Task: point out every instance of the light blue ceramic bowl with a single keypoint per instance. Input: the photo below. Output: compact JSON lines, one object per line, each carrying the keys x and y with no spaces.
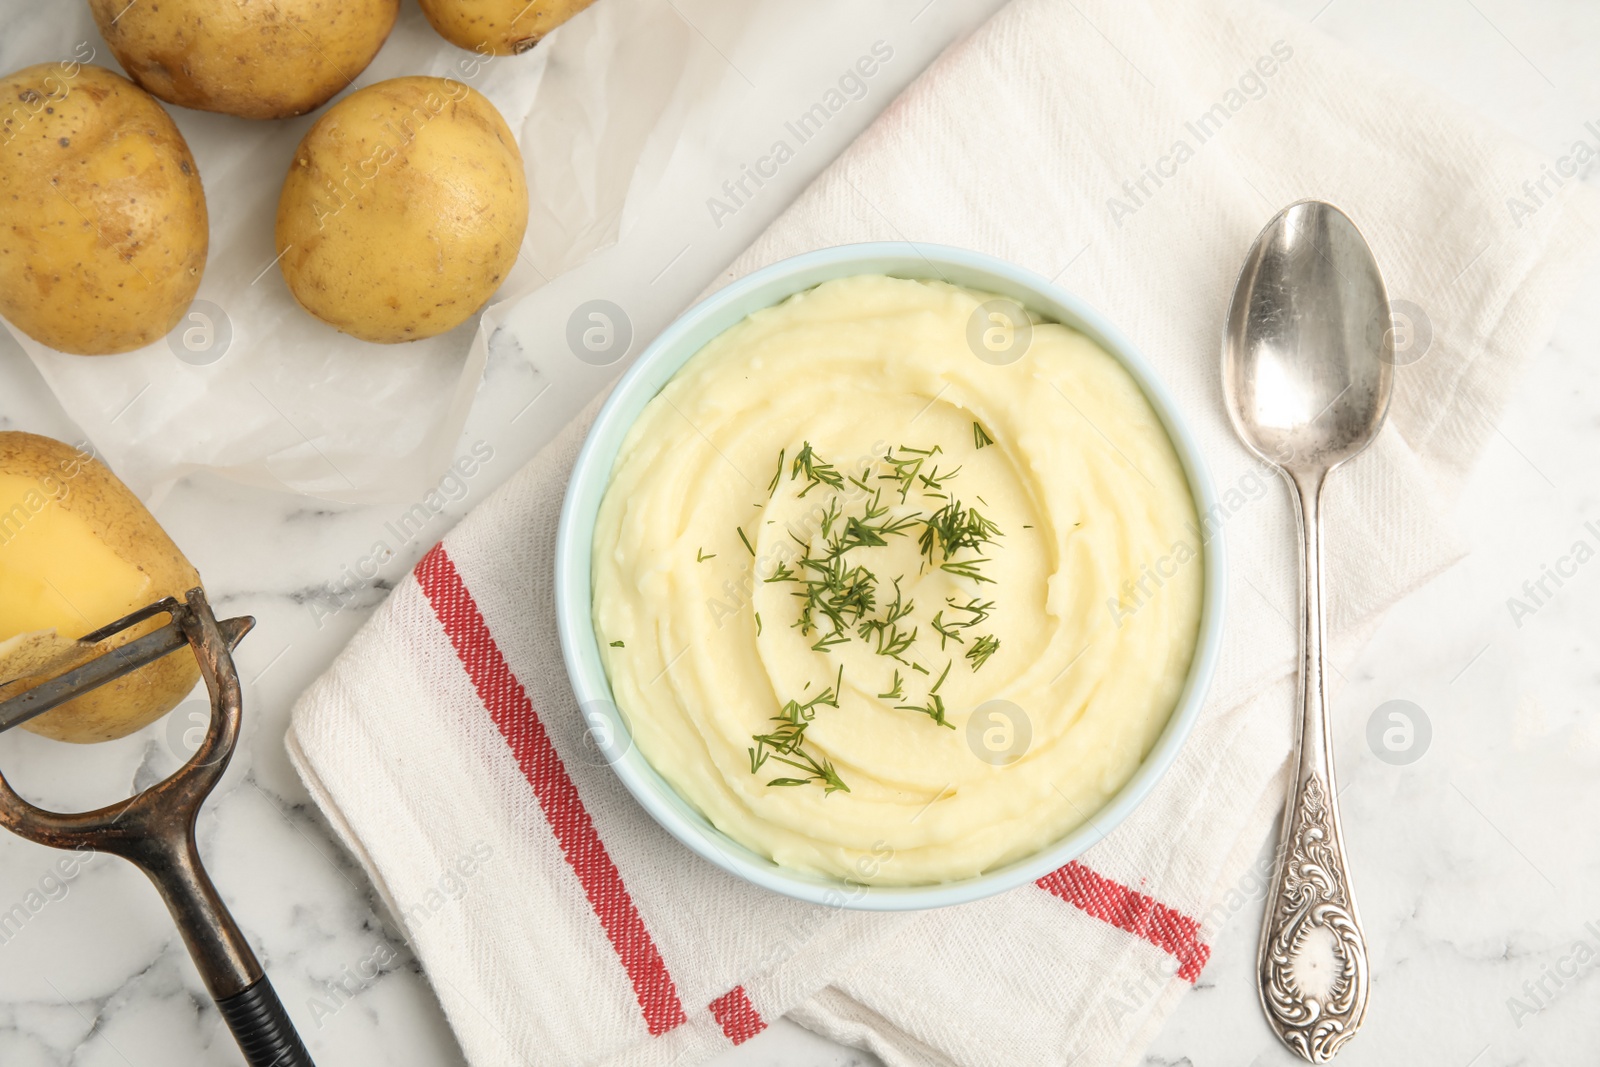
{"x":644,"y":379}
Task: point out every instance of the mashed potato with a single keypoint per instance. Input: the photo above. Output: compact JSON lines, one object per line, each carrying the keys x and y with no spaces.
{"x":888,"y":611}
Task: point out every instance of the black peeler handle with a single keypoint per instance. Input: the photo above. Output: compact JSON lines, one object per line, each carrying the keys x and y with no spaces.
{"x":261,"y":1026}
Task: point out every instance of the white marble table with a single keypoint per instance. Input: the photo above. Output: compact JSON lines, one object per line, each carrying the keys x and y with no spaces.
{"x":1474,"y":860}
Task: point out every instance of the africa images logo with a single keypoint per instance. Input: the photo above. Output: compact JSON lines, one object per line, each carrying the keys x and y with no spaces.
{"x":1537,"y":192}
{"x":1250,"y":85}
{"x":852,"y":85}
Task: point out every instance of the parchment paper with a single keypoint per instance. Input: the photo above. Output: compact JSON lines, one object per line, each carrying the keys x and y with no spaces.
{"x":252,"y":387}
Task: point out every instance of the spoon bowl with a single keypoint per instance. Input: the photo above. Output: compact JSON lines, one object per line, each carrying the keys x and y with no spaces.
{"x":1308,"y":353}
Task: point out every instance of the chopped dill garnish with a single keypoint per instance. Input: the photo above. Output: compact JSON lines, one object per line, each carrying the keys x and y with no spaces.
{"x":954,"y":527}
{"x":934,"y":709}
{"x":968,"y":568}
{"x":946,"y":632}
{"x":842,"y":599}
{"x":907,"y":466}
{"x":618,"y":644}
{"x":979,"y":610}
{"x":758,"y":624}
{"x":860,"y":531}
{"x":981,"y":650}
{"x":843,"y":595}
{"x":700,"y":555}
{"x":785,"y":744}
{"x":857,"y":534}
{"x":830,"y":515}
{"x":772,"y":486}
{"x":891,"y":640}
{"x":825,"y":643}
{"x":933,"y":483}
{"x":816,"y":471}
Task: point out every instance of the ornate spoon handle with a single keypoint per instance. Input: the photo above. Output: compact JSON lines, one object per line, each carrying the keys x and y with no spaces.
{"x":1313,"y":964}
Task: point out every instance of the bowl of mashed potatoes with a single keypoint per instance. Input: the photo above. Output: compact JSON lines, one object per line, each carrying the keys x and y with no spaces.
{"x":880,"y":578}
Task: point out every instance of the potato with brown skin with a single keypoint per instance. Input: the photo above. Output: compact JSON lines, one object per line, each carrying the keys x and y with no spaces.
{"x":498,"y":27}
{"x":103,"y":225}
{"x":258,"y":59}
{"x":78,"y":551}
{"x":403,"y":210}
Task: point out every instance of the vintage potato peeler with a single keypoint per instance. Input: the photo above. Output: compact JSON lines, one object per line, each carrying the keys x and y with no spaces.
{"x":154,"y":830}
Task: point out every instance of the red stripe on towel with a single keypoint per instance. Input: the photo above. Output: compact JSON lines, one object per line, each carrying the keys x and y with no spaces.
{"x":737,"y":1016}
{"x":1130,"y":910}
{"x":508,"y":705}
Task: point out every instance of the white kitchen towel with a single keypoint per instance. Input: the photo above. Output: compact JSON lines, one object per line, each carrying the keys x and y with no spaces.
{"x":1130,"y":149}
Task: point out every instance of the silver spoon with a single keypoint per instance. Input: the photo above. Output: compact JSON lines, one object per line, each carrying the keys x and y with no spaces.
{"x":1307,"y":369}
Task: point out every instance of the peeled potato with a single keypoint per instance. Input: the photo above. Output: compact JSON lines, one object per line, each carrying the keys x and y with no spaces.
{"x":103,"y":226}
{"x":498,"y":27}
{"x":258,"y":59}
{"x":78,"y":551}
{"x":403,"y":210}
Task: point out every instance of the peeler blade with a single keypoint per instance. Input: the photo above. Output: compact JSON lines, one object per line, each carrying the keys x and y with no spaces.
{"x":122,"y":660}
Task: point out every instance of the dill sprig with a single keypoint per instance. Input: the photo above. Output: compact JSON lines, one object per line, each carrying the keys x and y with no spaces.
{"x":933,"y":482}
{"x":953,"y":528}
{"x":816,"y":471}
{"x":976,"y":611}
{"x":857,"y":534}
{"x":979,"y":437}
{"x":968,"y":568}
{"x":895,"y":690}
{"x":751,"y":548}
{"x":772,"y":486}
{"x":947,"y":631}
{"x":934,"y":708}
{"x":864,"y":531}
{"x":839,"y":593}
{"x":891,"y":640}
{"x":982,"y":648}
{"x":861,"y":533}
{"x":907,"y":466}
{"x":894,"y":642}
{"x":826,"y":642}
{"x":830,"y":515}
{"x":785,"y":744}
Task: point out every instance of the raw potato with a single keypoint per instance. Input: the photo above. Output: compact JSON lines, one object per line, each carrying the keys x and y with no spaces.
{"x":258,"y":59}
{"x":403,"y":210}
{"x":77,"y":551}
{"x":498,"y":27}
{"x":103,"y":226}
